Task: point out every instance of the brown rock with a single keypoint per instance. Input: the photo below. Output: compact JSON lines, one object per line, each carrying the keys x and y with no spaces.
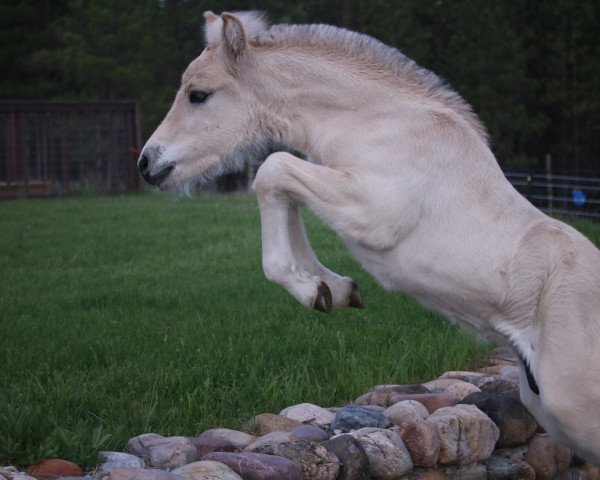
{"x":422,"y":442}
{"x":269,"y":422}
{"x":54,"y":468}
{"x":547,"y":458}
{"x":432,"y":401}
{"x":516,"y":423}
{"x":498,"y":384}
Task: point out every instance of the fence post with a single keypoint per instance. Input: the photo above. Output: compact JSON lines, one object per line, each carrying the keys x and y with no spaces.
{"x":549,"y":189}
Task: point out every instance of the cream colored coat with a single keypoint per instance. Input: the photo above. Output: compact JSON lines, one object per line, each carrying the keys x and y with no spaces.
{"x":400,"y":168}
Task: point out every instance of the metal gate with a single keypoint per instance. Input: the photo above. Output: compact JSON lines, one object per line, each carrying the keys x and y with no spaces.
{"x":61,"y":148}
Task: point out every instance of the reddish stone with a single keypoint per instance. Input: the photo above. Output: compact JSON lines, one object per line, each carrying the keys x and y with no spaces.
{"x":422,"y":442}
{"x":54,"y":468}
{"x":432,"y":401}
{"x":547,"y":458}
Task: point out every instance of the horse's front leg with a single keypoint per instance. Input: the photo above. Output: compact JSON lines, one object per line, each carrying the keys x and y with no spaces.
{"x":344,"y":291}
{"x":288,"y":259}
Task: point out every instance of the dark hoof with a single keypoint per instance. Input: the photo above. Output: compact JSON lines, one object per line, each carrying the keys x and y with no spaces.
{"x":355,"y":297}
{"x":324,"y":301}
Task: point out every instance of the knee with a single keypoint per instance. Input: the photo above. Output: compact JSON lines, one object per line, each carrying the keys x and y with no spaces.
{"x":268,"y":174}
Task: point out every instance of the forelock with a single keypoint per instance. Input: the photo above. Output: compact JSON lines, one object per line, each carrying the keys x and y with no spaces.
{"x":254,"y":23}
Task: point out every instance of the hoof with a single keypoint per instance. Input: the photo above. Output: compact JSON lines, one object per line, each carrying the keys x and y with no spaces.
{"x":355,"y":297}
{"x":323,"y":302}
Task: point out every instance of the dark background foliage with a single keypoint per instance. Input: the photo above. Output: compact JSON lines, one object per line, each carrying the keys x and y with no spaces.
{"x":530,"y":68}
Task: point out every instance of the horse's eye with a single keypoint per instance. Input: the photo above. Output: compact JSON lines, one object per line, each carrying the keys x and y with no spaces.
{"x":198,"y":96}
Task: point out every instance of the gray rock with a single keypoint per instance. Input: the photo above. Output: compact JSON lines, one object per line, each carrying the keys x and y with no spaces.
{"x":141,"y":474}
{"x":8,"y":471}
{"x":257,"y":466}
{"x":467,"y":435}
{"x":206,"y":470}
{"x":354,"y":417}
{"x":21,"y":476}
{"x":309,"y":432}
{"x":236,"y":438}
{"x":162,"y":452}
{"x":308,"y":413}
{"x":272,"y":438}
{"x":313,"y":459}
{"x":474,"y":471}
{"x":205,"y":445}
{"x":406,"y":410}
{"x":500,"y":468}
{"x":573,"y":474}
{"x":112,"y":460}
{"x":353,"y":459}
{"x":388,"y":457}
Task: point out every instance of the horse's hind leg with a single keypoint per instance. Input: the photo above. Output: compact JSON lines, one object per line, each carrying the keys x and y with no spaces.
{"x":288,"y":259}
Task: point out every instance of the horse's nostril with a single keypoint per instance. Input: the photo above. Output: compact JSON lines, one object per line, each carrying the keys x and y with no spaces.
{"x":143,"y":164}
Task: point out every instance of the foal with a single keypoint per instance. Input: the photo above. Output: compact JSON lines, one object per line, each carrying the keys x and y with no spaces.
{"x":399,"y":166}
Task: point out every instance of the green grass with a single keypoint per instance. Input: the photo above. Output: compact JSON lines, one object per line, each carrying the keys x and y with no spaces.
{"x":126,"y":315}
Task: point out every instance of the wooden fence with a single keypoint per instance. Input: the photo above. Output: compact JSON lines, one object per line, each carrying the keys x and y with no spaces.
{"x":61,"y":148}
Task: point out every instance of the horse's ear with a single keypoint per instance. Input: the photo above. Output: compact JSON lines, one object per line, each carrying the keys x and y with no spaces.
{"x":233,"y":39}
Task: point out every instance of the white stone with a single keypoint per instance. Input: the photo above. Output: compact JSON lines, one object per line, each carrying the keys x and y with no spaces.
{"x":112,"y":460}
{"x":163,"y":452}
{"x":467,"y":435}
{"x":207,"y":470}
{"x":462,"y":389}
{"x":388,"y":457}
{"x":309,"y":413}
{"x":440,"y":384}
{"x":406,"y":410}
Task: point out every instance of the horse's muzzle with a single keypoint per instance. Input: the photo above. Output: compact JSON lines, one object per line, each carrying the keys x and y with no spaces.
{"x":144,"y":167}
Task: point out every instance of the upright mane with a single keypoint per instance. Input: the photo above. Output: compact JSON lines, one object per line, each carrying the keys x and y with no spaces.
{"x":362,"y":48}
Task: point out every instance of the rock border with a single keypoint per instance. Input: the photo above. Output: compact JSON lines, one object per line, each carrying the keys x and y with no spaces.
{"x":465,"y":425}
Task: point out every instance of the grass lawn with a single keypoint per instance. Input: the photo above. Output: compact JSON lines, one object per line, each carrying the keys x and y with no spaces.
{"x":148,"y":313}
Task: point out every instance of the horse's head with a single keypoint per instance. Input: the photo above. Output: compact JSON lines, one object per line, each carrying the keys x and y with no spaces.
{"x":214,"y":122}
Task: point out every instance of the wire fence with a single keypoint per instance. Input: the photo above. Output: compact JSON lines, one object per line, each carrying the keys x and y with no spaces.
{"x":559,"y":194}
{"x":60,"y":148}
